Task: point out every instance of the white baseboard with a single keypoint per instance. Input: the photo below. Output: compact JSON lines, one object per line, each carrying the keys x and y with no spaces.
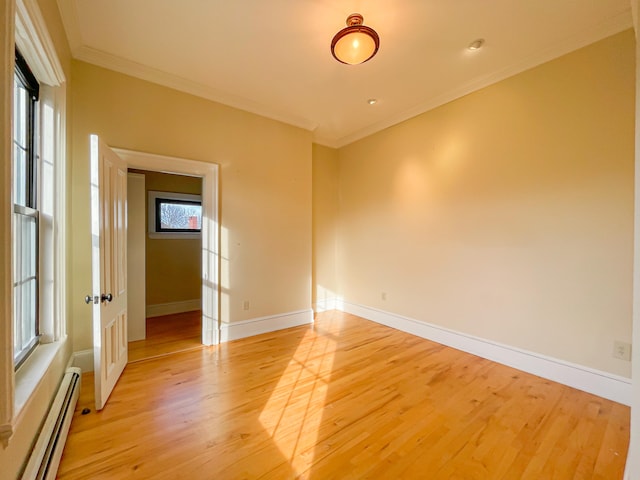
{"x":603,"y":384}
{"x":326,"y":304}
{"x":83,"y":359}
{"x":160,"y":309}
{"x":256,"y":326}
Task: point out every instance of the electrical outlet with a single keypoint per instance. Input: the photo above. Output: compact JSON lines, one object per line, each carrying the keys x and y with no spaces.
{"x":622,"y":350}
{"x":383,"y":295}
{"x":245,"y":305}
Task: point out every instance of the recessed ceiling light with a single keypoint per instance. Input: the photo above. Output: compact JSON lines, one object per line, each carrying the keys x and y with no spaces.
{"x":476,"y":44}
{"x":372,"y":101}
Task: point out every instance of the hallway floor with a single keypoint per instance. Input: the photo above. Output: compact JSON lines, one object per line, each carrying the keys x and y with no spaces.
{"x":168,"y":334}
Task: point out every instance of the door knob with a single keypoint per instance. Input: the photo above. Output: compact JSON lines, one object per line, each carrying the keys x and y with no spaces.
{"x":89,"y":299}
{"x":106,"y":297}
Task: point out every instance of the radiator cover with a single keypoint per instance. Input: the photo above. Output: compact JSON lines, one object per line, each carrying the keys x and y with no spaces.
{"x":45,"y":458}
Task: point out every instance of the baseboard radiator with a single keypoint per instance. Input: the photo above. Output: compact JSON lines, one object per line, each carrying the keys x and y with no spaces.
{"x":45,"y":458}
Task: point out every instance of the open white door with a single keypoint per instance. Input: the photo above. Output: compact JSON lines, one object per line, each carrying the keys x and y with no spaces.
{"x":109,"y":267}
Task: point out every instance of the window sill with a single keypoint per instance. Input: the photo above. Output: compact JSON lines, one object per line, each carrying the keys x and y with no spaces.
{"x":31,"y":373}
{"x":175,"y":236}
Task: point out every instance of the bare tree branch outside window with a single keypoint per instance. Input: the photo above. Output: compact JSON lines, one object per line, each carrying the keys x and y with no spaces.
{"x":175,"y":216}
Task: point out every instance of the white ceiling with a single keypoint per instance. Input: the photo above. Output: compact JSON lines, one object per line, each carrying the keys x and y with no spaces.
{"x":272,"y":57}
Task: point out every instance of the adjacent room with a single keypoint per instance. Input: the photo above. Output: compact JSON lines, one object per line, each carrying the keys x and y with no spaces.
{"x":164,"y":261}
{"x":319,"y":240}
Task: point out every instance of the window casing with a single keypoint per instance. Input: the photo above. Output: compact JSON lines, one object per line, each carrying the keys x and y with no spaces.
{"x":45,"y":364}
{"x":178,"y":215}
{"x":26,"y":287}
{"x":174,"y":215}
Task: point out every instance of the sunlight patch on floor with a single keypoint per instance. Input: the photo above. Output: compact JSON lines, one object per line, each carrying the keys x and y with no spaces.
{"x":294,"y":411}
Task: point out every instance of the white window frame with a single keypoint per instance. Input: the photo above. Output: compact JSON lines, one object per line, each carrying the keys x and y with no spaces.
{"x":26,"y":208}
{"x":34,"y":43}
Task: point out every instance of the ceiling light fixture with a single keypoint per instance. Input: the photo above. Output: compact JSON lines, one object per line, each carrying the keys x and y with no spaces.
{"x":356,"y":43}
{"x":372,"y":101}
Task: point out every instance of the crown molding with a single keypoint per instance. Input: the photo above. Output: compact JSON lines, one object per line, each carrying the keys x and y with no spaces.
{"x":326,"y":141}
{"x":607,"y":28}
{"x":153,"y":75}
{"x":97,"y":57}
{"x":69,"y":14}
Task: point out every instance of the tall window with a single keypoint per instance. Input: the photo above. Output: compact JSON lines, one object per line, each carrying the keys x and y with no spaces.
{"x":25,"y":212}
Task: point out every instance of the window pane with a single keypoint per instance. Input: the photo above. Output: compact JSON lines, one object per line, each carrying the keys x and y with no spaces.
{"x":25,"y":333}
{"x":29,"y":246}
{"x":28,"y":312}
{"x":25,"y":282}
{"x":180,"y":216}
{"x":17,"y":331}
{"x":46,"y":164}
{"x":20,"y":97}
{"x":25,"y":232}
{"x":19,"y":176}
{"x":24,"y":136}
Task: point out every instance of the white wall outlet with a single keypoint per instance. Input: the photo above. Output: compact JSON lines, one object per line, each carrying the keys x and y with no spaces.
{"x":622,"y":350}
{"x":383,"y":295}
{"x":245,"y":305}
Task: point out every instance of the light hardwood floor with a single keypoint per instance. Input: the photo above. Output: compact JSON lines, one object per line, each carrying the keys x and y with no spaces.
{"x":344,"y":399}
{"x":168,"y":334}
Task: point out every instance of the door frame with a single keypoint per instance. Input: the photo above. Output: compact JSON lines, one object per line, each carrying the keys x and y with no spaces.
{"x":210,"y":226}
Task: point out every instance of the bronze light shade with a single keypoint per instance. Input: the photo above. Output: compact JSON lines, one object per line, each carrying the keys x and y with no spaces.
{"x":356,"y":43}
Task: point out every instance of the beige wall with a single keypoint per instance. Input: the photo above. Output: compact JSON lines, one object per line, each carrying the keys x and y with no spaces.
{"x":14,"y":455}
{"x":506,"y":214}
{"x":173,"y":266}
{"x":265,"y":186}
{"x":17,"y":449}
{"x":633,"y":459}
{"x":7,"y":54}
{"x":325,"y":226}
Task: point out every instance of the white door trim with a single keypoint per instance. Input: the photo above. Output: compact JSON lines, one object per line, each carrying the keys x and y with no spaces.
{"x":210,"y":227}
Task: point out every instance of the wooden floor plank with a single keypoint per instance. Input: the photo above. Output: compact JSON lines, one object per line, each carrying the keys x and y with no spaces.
{"x":168,"y":334}
{"x":344,"y":398}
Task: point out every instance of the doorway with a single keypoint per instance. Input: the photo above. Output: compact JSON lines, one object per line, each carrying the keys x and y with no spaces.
{"x":210,"y":232}
{"x":164,"y":263}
